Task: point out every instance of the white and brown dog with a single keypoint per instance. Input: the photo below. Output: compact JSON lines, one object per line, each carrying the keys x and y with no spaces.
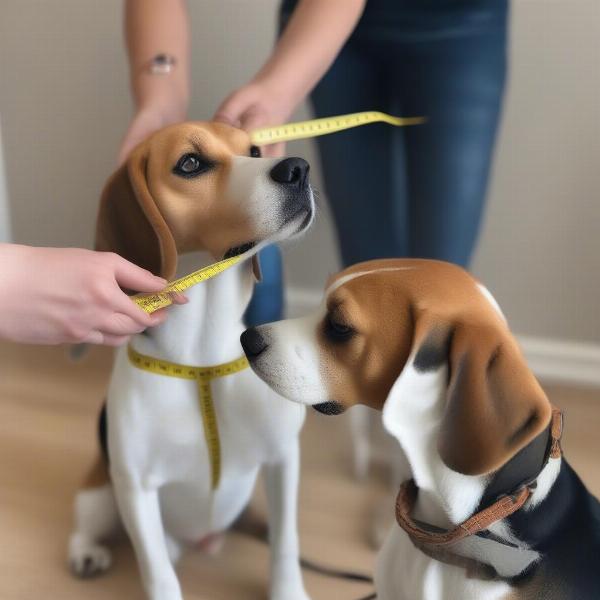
{"x":492,"y":510}
{"x":196,"y":188}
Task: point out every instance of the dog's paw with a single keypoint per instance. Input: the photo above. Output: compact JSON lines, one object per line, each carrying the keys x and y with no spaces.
{"x":87,"y":559}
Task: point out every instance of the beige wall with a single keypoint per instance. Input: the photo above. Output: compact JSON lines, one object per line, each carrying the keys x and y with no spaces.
{"x":64,"y":107}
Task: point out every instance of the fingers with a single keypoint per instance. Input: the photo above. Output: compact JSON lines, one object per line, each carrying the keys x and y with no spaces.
{"x":252,"y":118}
{"x":179,"y":298}
{"x":230,"y":110}
{"x":118,"y":328}
{"x":121,"y":324}
{"x":132,"y":277}
{"x":123,"y":303}
{"x":97,"y":337}
{"x":233,"y":108}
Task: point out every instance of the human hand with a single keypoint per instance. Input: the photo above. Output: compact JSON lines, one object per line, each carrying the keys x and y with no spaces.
{"x":165,"y":108}
{"x":71,"y":295}
{"x":256,"y":105}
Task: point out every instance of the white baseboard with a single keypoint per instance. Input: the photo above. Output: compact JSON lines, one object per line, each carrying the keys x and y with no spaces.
{"x":552,"y":360}
{"x":563,"y":361}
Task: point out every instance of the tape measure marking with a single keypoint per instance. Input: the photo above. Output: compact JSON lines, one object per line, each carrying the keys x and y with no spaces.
{"x":316,"y":127}
{"x":152,"y":302}
{"x":203,"y":377}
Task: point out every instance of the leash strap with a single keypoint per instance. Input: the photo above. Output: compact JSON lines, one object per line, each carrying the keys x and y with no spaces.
{"x":203,"y":377}
{"x":316,"y":127}
{"x":425,"y":535}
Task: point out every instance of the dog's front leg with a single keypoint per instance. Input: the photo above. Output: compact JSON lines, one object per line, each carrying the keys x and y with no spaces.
{"x":140,"y":512}
{"x":281,"y":481}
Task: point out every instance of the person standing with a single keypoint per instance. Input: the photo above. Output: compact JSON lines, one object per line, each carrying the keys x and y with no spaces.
{"x":412,"y":192}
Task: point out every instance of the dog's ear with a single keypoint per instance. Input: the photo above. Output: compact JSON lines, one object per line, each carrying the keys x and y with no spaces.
{"x":492,"y":404}
{"x":129,"y":222}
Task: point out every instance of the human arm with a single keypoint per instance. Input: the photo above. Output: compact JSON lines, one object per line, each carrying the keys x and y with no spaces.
{"x":155,"y":27}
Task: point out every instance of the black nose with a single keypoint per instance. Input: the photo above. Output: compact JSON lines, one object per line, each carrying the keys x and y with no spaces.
{"x":291,"y":171}
{"x":253,"y":342}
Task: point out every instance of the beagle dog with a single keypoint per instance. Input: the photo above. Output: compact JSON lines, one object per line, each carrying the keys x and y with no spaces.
{"x":491,"y":511}
{"x":189,"y":195}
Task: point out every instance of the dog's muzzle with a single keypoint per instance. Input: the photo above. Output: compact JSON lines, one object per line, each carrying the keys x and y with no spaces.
{"x":253,"y":343}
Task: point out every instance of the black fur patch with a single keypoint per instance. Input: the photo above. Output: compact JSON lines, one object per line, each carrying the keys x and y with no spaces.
{"x":433,"y":352}
{"x":565,"y":529}
{"x":329,"y":408}
{"x":103,"y":432}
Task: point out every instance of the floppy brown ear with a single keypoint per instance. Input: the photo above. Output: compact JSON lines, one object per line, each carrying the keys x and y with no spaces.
{"x":494,"y":404}
{"x":129,"y":222}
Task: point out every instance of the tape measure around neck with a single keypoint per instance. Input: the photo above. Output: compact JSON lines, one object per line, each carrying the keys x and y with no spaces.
{"x":152,"y":302}
{"x":203,"y":377}
{"x":316,"y":127}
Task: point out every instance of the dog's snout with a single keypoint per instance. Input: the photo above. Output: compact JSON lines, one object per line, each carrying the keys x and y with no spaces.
{"x":291,"y":171}
{"x":253,"y":342}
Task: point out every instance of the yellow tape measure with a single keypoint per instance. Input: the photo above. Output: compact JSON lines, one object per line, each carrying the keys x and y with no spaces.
{"x":203,"y":377}
{"x":152,"y":302}
{"x":270,"y":135}
{"x":316,"y":127}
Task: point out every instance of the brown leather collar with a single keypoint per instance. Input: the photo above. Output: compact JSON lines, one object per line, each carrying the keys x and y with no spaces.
{"x":429,"y":538}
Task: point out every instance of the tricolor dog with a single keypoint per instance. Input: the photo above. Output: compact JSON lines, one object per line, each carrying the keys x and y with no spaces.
{"x":196,"y":188}
{"x":491,"y":510}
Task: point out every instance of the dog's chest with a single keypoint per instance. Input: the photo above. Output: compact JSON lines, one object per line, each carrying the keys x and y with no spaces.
{"x":156,"y":429}
{"x":405,"y":573}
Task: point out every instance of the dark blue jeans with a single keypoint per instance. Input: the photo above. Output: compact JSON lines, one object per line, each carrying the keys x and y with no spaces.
{"x":416,"y":191}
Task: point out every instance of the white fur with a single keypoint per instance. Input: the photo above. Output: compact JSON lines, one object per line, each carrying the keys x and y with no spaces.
{"x":252,"y":189}
{"x":291,"y":363}
{"x":160,"y":466}
{"x":346,"y":278}
{"x":545,"y":481}
{"x":488,"y":296}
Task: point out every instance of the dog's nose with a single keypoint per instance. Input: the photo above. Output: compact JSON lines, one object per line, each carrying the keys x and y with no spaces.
{"x":253,"y":342}
{"x":291,"y":171}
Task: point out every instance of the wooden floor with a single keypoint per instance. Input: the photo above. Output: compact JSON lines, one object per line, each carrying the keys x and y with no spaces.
{"x":48,"y":407}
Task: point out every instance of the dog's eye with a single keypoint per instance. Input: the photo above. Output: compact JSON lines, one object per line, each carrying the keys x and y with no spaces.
{"x":190,"y":165}
{"x":337,"y":331}
{"x":255,"y":152}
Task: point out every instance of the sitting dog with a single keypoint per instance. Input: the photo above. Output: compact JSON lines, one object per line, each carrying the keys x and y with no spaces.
{"x":492,"y":510}
{"x":177,"y":480}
